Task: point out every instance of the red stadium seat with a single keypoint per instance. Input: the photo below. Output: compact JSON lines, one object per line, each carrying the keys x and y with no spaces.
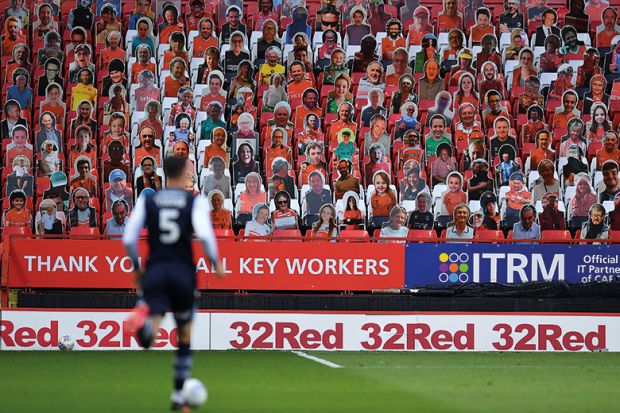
{"x":354,"y":235}
{"x":614,"y":235}
{"x":84,"y":232}
{"x":286,"y":235}
{"x":224,"y":233}
{"x":425,"y":104}
{"x":556,"y":235}
{"x":422,"y":234}
{"x":356,"y":77}
{"x":488,"y":235}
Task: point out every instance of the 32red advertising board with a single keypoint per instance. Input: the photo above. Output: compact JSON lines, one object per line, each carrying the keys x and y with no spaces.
{"x":102,"y":329}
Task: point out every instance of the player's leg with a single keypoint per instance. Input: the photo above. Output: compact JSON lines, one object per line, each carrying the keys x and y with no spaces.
{"x":150,"y":308}
{"x":182,"y":364}
{"x":147,"y":333}
{"x":182,"y":298}
{"x":144,"y":323}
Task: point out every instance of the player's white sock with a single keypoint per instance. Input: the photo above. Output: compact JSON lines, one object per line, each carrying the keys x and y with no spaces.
{"x":177,"y":397}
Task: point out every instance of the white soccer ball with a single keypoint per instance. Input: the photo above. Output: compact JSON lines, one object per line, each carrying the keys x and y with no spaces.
{"x":194,"y":392}
{"x":66,"y":343}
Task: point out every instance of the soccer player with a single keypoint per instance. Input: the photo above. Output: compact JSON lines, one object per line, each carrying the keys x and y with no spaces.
{"x":168,"y":280}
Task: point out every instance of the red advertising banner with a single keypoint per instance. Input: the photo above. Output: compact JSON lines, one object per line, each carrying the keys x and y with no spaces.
{"x":249,"y":265}
{"x":36,"y":329}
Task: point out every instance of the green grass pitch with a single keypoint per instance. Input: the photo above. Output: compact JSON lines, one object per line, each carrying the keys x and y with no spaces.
{"x":274,"y":382}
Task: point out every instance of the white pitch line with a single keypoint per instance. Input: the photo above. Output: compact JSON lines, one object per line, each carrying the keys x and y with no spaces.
{"x":318,"y":360}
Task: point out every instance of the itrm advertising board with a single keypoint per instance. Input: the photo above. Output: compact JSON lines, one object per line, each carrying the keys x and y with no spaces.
{"x":452,"y":264}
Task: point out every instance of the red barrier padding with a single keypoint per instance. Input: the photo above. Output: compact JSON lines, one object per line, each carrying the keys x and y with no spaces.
{"x":276,"y":265}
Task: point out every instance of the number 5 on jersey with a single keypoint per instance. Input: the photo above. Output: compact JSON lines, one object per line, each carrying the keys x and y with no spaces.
{"x":168,"y":226}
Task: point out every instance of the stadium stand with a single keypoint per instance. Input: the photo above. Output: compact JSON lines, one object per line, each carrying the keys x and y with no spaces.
{"x":452,"y":121}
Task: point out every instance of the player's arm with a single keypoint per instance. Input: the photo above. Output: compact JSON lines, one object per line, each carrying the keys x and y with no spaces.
{"x":201,"y":221}
{"x":132,"y":233}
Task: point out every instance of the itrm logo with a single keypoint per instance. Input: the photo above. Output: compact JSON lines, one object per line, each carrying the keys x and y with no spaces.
{"x":510,"y":268}
{"x":453,"y":267}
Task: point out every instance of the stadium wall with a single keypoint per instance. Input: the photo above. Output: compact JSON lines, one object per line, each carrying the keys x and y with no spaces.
{"x":345,"y":331}
{"x":532,"y":297}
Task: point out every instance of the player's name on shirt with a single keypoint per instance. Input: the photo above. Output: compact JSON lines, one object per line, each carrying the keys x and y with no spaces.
{"x":169,"y":200}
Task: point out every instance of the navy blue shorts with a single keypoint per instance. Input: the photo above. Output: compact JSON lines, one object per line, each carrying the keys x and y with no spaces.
{"x":170,"y":286}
